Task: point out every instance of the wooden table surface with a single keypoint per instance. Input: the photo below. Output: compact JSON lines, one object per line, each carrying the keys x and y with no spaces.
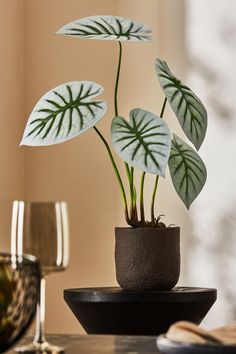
{"x":100,"y":344}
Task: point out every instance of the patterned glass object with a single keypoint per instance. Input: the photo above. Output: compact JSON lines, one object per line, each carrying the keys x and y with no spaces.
{"x":19,"y":287}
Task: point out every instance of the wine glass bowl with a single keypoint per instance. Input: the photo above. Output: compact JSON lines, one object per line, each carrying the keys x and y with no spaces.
{"x":19,"y":288}
{"x":41,"y":229}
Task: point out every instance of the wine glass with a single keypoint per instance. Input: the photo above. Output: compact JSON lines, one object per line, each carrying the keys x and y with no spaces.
{"x":41,"y":229}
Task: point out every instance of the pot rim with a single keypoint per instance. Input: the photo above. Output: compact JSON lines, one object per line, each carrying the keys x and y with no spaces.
{"x":146,"y":228}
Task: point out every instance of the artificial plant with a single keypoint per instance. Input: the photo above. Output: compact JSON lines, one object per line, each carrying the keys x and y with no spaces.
{"x":144,"y":142}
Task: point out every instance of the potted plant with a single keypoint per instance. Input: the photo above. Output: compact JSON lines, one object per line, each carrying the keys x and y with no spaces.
{"x":147,"y":252}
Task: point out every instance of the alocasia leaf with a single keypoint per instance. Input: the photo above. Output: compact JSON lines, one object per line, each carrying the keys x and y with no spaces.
{"x":63,"y":113}
{"x":186,"y":105}
{"x":144,"y":142}
{"x":187,"y":170}
{"x":107,"y":28}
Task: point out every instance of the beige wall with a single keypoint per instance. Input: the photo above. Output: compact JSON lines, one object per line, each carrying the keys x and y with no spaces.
{"x":11,"y":112}
{"x":78,"y":171}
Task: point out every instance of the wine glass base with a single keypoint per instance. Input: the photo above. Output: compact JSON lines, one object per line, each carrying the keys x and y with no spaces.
{"x":43,"y":348}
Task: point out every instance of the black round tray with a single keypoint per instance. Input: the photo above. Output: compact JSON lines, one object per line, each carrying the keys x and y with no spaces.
{"x":114,"y":311}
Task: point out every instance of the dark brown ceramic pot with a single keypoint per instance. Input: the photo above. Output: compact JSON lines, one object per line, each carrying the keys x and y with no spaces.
{"x":147,"y":258}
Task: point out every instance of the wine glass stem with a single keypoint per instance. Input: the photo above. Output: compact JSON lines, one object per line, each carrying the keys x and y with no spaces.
{"x":39,"y":337}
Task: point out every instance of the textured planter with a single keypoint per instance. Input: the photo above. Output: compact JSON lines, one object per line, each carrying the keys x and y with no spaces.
{"x":147,"y":258}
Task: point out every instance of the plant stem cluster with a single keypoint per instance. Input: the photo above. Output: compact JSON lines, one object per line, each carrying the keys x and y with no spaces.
{"x":133,"y":218}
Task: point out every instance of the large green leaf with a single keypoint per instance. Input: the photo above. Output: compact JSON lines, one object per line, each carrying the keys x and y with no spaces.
{"x":144,"y":142}
{"x":107,"y":28}
{"x":187,"y":170}
{"x":186,"y":105}
{"x":63,"y":113}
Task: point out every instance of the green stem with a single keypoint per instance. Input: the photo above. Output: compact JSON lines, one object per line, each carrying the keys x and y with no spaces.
{"x":133,"y":196}
{"x":135,"y":204}
{"x":163,"y":108}
{"x":153,"y":199}
{"x":130,"y":177}
{"x":131,"y":181}
{"x":116,"y":172}
{"x":117,"y":113}
{"x":157,"y":177}
{"x":117,"y":80}
{"x":128,"y":172}
{"x":142,"y":215}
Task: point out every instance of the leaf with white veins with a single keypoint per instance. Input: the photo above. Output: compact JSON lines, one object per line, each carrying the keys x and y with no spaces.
{"x":187,"y":107}
{"x":114,"y":28}
{"x":63,"y":113}
{"x":144,"y":142}
{"x":187,"y":170}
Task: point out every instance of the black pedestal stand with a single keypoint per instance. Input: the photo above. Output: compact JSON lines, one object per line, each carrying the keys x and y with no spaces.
{"x":114,"y":311}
